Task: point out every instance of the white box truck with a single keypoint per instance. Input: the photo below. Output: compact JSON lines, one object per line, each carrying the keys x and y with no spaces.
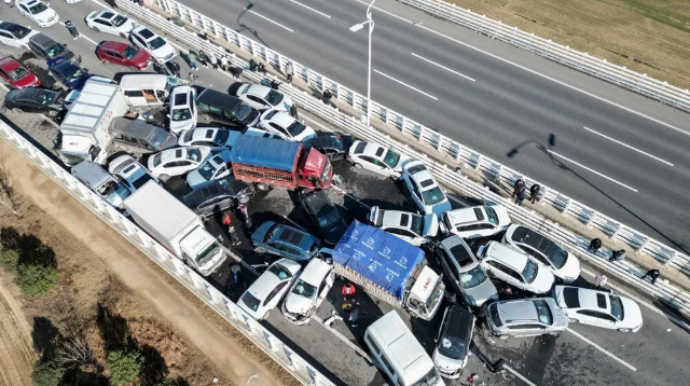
{"x":85,"y":127}
{"x":175,"y":226}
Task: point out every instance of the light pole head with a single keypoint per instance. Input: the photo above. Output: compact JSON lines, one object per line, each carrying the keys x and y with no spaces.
{"x":357,"y":27}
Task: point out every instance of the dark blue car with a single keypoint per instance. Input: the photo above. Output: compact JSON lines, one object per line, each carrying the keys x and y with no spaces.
{"x":68,"y":73}
{"x":285,"y":241}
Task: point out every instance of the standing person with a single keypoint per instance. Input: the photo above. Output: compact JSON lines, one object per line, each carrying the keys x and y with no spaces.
{"x":72,"y":29}
{"x":652,"y":274}
{"x":600,"y":280}
{"x":274,"y":84}
{"x":236,"y":72}
{"x":192,"y":60}
{"x":176,"y":68}
{"x":534,"y":191}
{"x":234,"y":238}
{"x":253,"y":65}
{"x":327,"y":95}
{"x":112,"y":3}
{"x":518,"y":186}
{"x":289,"y":72}
{"x":293,"y":111}
{"x":203,"y":59}
{"x":594,"y":246}
{"x":520,"y":197}
{"x":213,"y":59}
{"x":262,"y":68}
{"x":618,"y":255}
{"x":224,"y":62}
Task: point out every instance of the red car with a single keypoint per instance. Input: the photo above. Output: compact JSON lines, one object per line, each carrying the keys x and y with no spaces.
{"x":123,"y":54}
{"x":14,"y":73}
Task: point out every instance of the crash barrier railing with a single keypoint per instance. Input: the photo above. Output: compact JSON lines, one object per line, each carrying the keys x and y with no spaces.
{"x":302,"y":370}
{"x":601,"y":68}
{"x":445,"y":146}
{"x":673,"y":296}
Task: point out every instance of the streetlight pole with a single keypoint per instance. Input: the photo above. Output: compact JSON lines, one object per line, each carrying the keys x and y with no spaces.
{"x":356,"y":28}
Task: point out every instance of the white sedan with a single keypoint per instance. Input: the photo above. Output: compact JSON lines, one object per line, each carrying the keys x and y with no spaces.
{"x":308,"y":292}
{"x":267,"y":291}
{"x":411,"y":227}
{"x":214,"y":167}
{"x":38,"y":11}
{"x":285,"y":125}
{"x":378,"y":159}
{"x":176,"y":162}
{"x":155,"y":45}
{"x":130,"y":172}
{"x":110,"y":22}
{"x":183,"y":112}
{"x":598,"y":308}
{"x":261,"y":97}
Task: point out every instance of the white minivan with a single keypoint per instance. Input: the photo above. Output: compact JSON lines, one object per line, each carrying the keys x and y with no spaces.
{"x":398,"y":354}
{"x":145,"y":90}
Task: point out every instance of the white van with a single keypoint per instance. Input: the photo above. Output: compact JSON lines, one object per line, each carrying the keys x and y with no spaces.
{"x":146,"y":90}
{"x":398,"y":354}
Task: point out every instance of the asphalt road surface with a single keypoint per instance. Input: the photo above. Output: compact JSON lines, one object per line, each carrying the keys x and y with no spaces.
{"x":657,"y":355}
{"x":617,"y":152}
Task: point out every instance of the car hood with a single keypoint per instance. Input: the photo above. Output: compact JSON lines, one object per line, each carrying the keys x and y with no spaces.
{"x":571,"y":270}
{"x":632,"y":316}
{"x":29,"y":80}
{"x":442,"y":362}
{"x":45,"y":15}
{"x":296,"y":304}
{"x":482,"y":293}
{"x":543,"y":282}
{"x":503,"y":216}
{"x":163,"y":51}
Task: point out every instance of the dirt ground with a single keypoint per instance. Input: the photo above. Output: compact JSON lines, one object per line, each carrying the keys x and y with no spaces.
{"x":648,"y":36}
{"x":115,"y":294}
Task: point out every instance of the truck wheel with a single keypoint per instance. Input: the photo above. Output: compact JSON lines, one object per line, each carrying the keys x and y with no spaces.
{"x":357,"y":166}
{"x":263,"y":187}
{"x":243,"y":199}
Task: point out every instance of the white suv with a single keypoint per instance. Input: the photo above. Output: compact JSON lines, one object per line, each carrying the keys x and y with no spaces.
{"x":424,"y":189}
{"x":182,"y":113}
{"x":155,"y":45}
{"x":411,"y":227}
{"x":514,"y":267}
{"x":477,"y":221}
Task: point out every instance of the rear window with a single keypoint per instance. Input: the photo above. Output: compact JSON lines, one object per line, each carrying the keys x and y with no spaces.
{"x":601,"y":301}
{"x":426,"y":183}
{"x":181,"y":99}
{"x":416,"y":169}
{"x":360,"y":147}
{"x":146,"y":34}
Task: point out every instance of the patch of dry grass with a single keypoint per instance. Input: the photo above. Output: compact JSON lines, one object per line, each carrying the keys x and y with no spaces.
{"x":648,"y":36}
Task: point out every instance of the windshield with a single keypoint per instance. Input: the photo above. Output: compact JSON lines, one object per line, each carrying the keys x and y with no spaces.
{"x":194,"y":155}
{"x":271,"y":232}
{"x":544,"y":312}
{"x":130,"y":52}
{"x":250,"y":301}
{"x":18,"y":73}
{"x":530,"y":271}
{"x":491,"y":214}
{"x":76,"y":75}
{"x":156,"y":43}
{"x":19,"y":32}
{"x":328,"y":217}
{"x":158,"y":138}
{"x":55,"y":50}
{"x":296,"y":128}
{"x":274,"y":98}
{"x":38,"y":8}
{"x":616,"y":307}
{"x":436,"y":295}
{"x":157,"y":159}
{"x":222,"y":137}
{"x":557,"y":255}
{"x":139,"y":182}
{"x":391,"y":158}
{"x":46,"y":97}
{"x":281,"y":272}
{"x":207,"y":170}
{"x":433,"y":196}
{"x":242,"y":111}
{"x":118,"y":20}
{"x":184,"y":114}
{"x":451,"y":346}
{"x":302,"y":288}
{"x":417,"y":225}
{"x":207,"y":254}
{"x":430,"y":379}
{"x":472,"y":278}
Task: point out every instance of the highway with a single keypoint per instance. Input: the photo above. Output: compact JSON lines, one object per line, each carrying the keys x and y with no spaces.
{"x":615,"y":151}
{"x":583,"y":356}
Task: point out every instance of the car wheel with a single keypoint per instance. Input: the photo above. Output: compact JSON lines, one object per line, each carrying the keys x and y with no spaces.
{"x":357,"y":166}
{"x":263,"y":187}
{"x":123,"y":35}
{"x":17,"y":110}
{"x":164,"y":177}
{"x":133,"y":68}
{"x":624,"y":329}
{"x":243,"y":199}
{"x":259,"y":250}
{"x":555,"y":333}
{"x":93,"y":27}
{"x":570,"y":320}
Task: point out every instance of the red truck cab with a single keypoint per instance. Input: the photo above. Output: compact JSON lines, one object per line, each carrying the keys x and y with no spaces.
{"x":270,"y":162}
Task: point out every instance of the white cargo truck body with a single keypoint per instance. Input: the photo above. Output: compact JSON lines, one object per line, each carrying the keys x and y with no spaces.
{"x":175,"y":226}
{"x":89,"y":116}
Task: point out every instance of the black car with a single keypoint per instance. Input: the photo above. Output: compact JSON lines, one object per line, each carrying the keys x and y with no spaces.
{"x":34,"y":100}
{"x":46,"y":48}
{"x":334,"y":146}
{"x":218,"y":195}
{"x":215,"y":106}
{"x":453,"y":341}
{"x":327,"y":217}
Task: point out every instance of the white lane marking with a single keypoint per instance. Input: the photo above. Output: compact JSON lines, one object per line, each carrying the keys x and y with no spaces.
{"x":384,"y":11}
{"x":626,"y":145}
{"x":512,"y":370}
{"x":344,"y":339}
{"x":406,"y":85}
{"x":443,"y":67}
{"x":556,"y":81}
{"x":310,"y":8}
{"x":592,"y":170}
{"x":671,"y":318}
{"x":82,"y":35}
{"x":624,"y":363}
{"x":269,"y":20}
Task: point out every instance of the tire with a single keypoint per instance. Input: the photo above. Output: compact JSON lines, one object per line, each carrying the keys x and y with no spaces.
{"x":570,"y":320}
{"x":624,"y":330}
{"x":132,"y":68}
{"x":17,"y":110}
{"x":357,"y":166}
{"x":95,"y":28}
{"x":263,"y":187}
{"x":164,"y":177}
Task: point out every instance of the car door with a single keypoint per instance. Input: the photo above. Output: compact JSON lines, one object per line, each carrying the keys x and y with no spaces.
{"x":139,"y":42}
{"x":502,"y":273}
{"x":7,"y":38}
{"x":279,"y":130}
{"x":4,"y":76}
{"x":274,"y":248}
{"x":272,"y":299}
{"x":416,"y":194}
{"x":368,"y":163}
{"x":25,"y":11}
{"x":587,"y":317}
{"x":222,"y":171}
{"x":255,"y":102}
{"x":104,"y":25}
{"x":116,"y":57}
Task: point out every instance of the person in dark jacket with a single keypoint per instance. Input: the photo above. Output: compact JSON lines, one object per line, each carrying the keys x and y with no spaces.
{"x":594,"y":246}
{"x":652,"y":274}
{"x":618,"y":255}
{"x":112,"y":3}
{"x":520,"y":197}
{"x":327,"y":95}
{"x":535,"y":193}
{"x":518,"y":186}
{"x":72,"y":29}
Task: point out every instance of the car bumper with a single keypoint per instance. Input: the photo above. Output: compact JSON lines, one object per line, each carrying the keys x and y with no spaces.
{"x":49,"y":23}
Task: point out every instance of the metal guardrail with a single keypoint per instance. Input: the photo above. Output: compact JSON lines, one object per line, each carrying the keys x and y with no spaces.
{"x":601,"y":68}
{"x":302,"y":370}
{"x":446,"y":147}
{"x":675,"y":297}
